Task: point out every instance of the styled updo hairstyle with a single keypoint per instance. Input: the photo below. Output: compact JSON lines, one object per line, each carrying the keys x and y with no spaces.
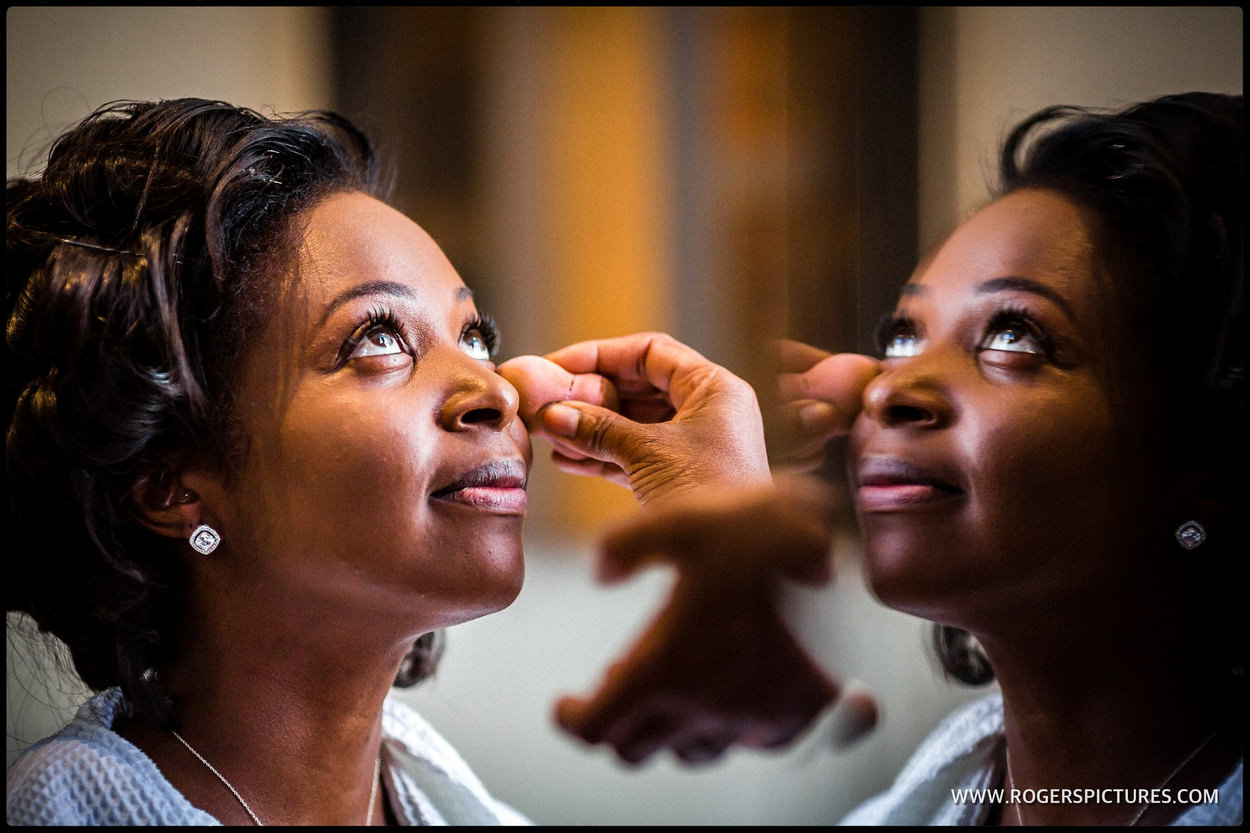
{"x":137,"y":263}
{"x":1164,"y":180}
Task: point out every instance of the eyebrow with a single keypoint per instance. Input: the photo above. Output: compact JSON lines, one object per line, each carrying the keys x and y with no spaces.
{"x":393,"y":288}
{"x":1008,"y":284}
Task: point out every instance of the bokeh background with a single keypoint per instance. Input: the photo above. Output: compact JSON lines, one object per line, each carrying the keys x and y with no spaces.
{"x":726,"y":174}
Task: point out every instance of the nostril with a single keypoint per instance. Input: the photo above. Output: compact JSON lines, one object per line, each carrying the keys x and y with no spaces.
{"x":898,"y":414}
{"x":478,"y":416}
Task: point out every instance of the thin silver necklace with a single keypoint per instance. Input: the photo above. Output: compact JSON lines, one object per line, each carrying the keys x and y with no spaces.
{"x":1146,"y":805}
{"x":373,"y":792}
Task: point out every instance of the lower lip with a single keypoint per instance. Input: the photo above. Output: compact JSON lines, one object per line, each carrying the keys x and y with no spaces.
{"x":901,"y":497}
{"x":502,"y":501}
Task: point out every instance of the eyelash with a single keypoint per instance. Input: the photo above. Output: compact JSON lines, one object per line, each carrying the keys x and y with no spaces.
{"x":1018,"y":317}
{"x":487,"y":329}
{"x":377,"y":317}
{"x":483,"y":324}
{"x":892,"y":325}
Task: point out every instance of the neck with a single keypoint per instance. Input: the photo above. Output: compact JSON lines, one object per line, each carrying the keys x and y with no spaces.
{"x":294,"y":728}
{"x":1113,"y":711}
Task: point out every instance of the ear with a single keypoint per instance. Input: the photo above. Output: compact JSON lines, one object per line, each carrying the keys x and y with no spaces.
{"x":164,"y":505}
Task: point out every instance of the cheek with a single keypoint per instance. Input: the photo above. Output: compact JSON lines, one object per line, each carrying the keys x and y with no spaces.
{"x":359,"y":459}
{"x":1054,"y":476}
{"x":340,"y":508}
{"x":1044,"y":479}
{"x":337,"y":472}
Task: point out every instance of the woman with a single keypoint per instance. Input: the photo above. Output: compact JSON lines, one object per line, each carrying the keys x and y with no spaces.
{"x":257,"y":458}
{"x":1047,"y":468}
{"x":1046,"y":464}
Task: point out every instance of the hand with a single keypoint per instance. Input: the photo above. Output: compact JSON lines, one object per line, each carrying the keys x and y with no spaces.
{"x":819,"y":395}
{"x":718,"y":666}
{"x":540,"y":382}
{"x":679,"y":421}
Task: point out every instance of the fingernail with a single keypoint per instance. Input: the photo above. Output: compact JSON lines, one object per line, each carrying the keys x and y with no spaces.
{"x":815,"y":417}
{"x":560,"y":420}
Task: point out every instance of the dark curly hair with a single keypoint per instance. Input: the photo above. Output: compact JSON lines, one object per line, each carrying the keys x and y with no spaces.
{"x":1164,"y":181}
{"x":136,"y":264}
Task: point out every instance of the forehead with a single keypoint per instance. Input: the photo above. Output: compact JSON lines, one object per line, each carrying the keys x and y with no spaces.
{"x":351,"y":238}
{"x":1030,"y":234}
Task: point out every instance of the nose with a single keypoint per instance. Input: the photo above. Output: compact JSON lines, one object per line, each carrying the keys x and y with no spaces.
{"x":480,"y":398}
{"x":910,"y":394}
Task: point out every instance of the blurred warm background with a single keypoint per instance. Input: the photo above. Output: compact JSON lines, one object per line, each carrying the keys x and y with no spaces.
{"x":725,"y":174}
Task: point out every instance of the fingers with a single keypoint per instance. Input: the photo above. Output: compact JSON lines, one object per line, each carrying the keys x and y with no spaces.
{"x":838,"y":379}
{"x":638,"y":733}
{"x":795,"y":356}
{"x":578,"y":430}
{"x":586,"y":467}
{"x":637,"y":362}
{"x":619,"y":707}
{"x":816,"y":405}
{"x":676,"y":532}
{"x":730,"y":531}
{"x":539,"y":382}
{"x":801,"y":430}
{"x":681,"y":690}
{"x":702,"y":750}
{"x":854,"y":717}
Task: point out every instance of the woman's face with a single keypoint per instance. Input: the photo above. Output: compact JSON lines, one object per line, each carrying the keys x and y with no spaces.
{"x":1000,"y":458}
{"x":385,"y":465}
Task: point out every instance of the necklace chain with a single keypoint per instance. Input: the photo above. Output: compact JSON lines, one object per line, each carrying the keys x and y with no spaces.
{"x":373,"y":791}
{"x":1145,"y":805}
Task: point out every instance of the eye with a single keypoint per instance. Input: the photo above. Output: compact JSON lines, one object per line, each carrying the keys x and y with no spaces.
{"x":1012,"y":339}
{"x":897,"y":338}
{"x":480,"y":338}
{"x":380,"y":335}
{"x":378,"y":341}
{"x":1013,"y":331}
{"x":474,"y":344}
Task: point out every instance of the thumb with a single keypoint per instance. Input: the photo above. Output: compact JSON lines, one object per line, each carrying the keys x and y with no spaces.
{"x":592,"y":431}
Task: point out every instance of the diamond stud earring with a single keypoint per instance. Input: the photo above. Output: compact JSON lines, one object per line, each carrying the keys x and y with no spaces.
{"x":204,"y":539}
{"x":1190,"y":534}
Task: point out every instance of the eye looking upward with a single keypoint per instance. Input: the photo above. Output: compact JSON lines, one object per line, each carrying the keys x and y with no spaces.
{"x":897,"y":337}
{"x":480,"y":338}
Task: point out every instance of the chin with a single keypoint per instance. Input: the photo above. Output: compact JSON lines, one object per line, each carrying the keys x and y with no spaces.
{"x":497,"y":586}
{"x":910,"y":582}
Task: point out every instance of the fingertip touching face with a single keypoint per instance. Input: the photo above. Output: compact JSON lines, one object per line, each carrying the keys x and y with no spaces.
{"x":999,"y":461}
{"x":385,"y":468}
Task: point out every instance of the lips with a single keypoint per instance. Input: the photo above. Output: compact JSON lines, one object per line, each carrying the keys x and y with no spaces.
{"x":495,"y":486}
{"x":891,"y":484}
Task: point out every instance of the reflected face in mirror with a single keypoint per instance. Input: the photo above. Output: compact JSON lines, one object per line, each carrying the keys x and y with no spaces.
{"x":999,"y":460}
{"x":385,"y":468}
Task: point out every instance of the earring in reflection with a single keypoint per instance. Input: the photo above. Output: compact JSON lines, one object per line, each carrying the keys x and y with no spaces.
{"x":1190,"y":534}
{"x":204,"y":539}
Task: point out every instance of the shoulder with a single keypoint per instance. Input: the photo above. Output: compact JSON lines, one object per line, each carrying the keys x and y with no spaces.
{"x":960,"y":754}
{"x":432,"y":781}
{"x":1225,"y":810}
{"x":87,"y":774}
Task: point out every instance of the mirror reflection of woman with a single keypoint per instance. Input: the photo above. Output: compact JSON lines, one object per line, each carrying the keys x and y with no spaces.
{"x":1046,"y":463}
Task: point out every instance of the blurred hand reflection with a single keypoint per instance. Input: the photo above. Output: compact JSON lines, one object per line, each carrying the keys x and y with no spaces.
{"x":718,"y":666}
{"x":819,"y":394}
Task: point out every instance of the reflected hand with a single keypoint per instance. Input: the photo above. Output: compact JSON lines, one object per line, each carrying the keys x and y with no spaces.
{"x":718,"y":666}
{"x":819,"y":395}
{"x":679,"y":421}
